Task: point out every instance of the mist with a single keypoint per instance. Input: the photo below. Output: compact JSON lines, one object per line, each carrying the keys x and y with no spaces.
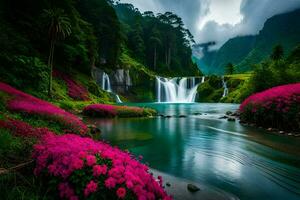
{"x":219,"y":20}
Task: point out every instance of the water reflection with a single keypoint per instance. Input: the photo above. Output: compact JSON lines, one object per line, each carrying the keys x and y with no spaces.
{"x":202,"y":148}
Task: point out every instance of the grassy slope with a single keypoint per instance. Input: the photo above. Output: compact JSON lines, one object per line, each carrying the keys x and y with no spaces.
{"x":212,"y":90}
{"x":143,"y":80}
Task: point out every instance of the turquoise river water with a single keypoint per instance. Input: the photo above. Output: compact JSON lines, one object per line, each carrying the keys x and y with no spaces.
{"x":244,"y":162}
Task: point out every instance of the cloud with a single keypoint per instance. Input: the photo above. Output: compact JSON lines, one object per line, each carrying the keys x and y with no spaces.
{"x":220,"y":20}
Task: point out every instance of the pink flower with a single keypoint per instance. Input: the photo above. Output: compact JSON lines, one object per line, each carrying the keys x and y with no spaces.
{"x":99,"y":170}
{"x":91,"y":160}
{"x":110,"y":183}
{"x":121,"y":193}
{"x":25,"y":103}
{"x":91,"y":187}
{"x":74,"y":198}
{"x":129,"y":184}
{"x":53,"y":151}
{"x":77,"y":163}
{"x":75,"y":90}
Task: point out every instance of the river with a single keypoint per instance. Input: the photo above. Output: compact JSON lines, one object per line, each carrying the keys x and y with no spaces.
{"x":245,"y":162}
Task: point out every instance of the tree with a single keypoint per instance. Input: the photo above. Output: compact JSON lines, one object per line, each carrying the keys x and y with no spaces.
{"x":59,"y":28}
{"x":137,"y":42}
{"x":230,"y":68}
{"x":155,"y":41}
{"x":277,"y":52}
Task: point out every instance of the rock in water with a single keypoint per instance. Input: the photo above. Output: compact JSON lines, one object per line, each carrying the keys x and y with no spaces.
{"x":229,"y":113}
{"x":94,"y":129}
{"x":192,"y":188}
{"x":231,"y":119}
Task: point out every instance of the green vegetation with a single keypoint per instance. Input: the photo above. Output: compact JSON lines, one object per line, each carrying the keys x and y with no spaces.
{"x":211,"y":90}
{"x":274,"y":71}
{"x":159,"y":42}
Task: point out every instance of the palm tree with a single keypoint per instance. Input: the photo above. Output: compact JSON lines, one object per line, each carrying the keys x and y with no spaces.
{"x":59,"y":28}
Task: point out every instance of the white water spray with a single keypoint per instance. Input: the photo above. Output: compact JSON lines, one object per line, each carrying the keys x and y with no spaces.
{"x":177,"y":90}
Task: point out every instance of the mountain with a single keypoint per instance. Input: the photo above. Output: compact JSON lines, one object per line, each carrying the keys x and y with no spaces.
{"x":245,"y":51}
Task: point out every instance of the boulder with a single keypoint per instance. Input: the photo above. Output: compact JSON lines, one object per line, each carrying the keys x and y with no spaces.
{"x":229,"y":113}
{"x":197,"y":113}
{"x":182,"y":116}
{"x":231,"y":119}
{"x":192,"y":188}
{"x":94,"y":129}
{"x":224,"y":117}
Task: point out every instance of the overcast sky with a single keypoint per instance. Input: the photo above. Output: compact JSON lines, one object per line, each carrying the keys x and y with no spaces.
{"x":219,"y":20}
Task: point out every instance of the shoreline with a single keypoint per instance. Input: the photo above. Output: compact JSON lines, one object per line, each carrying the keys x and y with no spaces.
{"x":178,"y":189}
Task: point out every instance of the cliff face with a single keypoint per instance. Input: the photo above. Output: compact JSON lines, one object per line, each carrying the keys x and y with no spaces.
{"x":118,"y":81}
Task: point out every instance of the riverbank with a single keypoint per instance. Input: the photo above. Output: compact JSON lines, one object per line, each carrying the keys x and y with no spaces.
{"x":178,"y":188}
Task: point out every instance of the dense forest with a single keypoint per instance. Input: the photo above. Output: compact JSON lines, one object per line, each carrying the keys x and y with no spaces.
{"x":76,"y":35}
{"x":160,"y":41}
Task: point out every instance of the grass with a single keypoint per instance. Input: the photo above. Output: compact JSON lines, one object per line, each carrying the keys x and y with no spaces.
{"x":239,"y":76}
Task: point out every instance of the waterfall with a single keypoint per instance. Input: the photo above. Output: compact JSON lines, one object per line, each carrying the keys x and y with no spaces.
{"x":106,"y":82}
{"x":107,"y":87}
{"x":225,"y":93}
{"x":118,"y":99}
{"x":178,"y":90}
{"x":203,"y":79}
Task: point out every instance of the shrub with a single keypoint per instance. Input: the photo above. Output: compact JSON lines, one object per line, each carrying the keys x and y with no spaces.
{"x":278,"y":107}
{"x":26,"y":72}
{"x":82,"y":168}
{"x":104,"y":110}
{"x":100,"y":110}
{"x":29,"y":105}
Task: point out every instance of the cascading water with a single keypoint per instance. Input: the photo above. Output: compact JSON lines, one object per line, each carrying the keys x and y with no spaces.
{"x":177,"y":90}
{"x":106,"y":82}
{"x":107,"y":86}
{"x":225,"y":93}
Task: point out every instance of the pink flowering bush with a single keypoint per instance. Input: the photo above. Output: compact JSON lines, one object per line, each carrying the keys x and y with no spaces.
{"x":108,"y":111}
{"x":81,"y":168}
{"x":29,"y":105}
{"x":22,"y":129}
{"x":278,"y":107}
{"x":100,"y":110}
{"x":75,"y":90}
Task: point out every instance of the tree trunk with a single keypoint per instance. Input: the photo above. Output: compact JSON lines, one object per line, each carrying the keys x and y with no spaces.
{"x":154,"y":61}
{"x":169,"y":57}
{"x":50,"y":65}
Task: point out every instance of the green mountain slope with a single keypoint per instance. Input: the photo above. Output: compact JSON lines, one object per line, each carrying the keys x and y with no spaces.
{"x":283,"y":29}
{"x":233,"y":52}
